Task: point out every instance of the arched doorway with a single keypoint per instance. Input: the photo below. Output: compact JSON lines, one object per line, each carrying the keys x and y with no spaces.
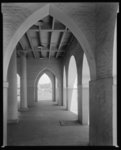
{"x":44,"y":88}
{"x":18,"y":90}
{"x":72,"y":86}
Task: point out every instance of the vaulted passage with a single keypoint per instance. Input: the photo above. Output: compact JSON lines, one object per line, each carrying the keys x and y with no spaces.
{"x":59,"y":74}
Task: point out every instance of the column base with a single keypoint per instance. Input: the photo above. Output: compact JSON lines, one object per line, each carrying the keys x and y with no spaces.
{"x":23,"y":109}
{"x":13,"y":121}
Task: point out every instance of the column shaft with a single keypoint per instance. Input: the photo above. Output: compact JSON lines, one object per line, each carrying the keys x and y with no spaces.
{"x":53,"y":89}
{"x":12,"y":92}
{"x":101,"y":121}
{"x":5,"y":97}
{"x":23,"y":87}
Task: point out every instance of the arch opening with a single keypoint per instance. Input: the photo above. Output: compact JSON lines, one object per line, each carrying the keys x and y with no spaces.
{"x":72,"y":86}
{"x":44,"y":88}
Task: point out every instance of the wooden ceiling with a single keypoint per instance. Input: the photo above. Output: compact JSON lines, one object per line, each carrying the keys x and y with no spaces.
{"x":45,"y":39}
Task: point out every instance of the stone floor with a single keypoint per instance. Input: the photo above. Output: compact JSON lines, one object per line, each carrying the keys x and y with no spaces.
{"x":40,"y":126}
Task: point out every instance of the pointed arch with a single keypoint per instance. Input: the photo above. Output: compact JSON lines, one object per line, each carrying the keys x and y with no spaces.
{"x":51,"y":75}
{"x":44,"y":92}
{"x":50,"y":9}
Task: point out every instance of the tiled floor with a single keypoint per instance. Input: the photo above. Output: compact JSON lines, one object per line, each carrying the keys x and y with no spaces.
{"x":40,"y":126}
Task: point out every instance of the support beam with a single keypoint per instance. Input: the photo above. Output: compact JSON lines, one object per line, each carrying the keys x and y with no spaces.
{"x":22,"y":45}
{"x":40,"y":36}
{"x":61,"y":42}
{"x":36,"y":49}
{"x":30,"y":42}
{"x":51,"y":37}
{"x":47,"y":30}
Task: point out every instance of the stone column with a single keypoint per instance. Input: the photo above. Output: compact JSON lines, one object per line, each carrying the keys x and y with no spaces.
{"x":85,"y":104}
{"x":80,"y":111}
{"x":30,"y":91}
{"x":60,"y":93}
{"x":5,"y":97}
{"x":100,"y":111}
{"x":114,"y":111}
{"x":53,"y":88}
{"x":35,"y":93}
{"x":12,"y":91}
{"x":23,"y":87}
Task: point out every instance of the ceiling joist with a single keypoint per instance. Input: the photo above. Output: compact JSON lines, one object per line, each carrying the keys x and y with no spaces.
{"x":60,"y":44}
{"x":53,"y":21}
{"x":22,"y":45}
{"x":30,"y":42}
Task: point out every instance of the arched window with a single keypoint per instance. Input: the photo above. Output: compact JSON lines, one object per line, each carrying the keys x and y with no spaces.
{"x":44,"y":88}
{"x":72,"y":86}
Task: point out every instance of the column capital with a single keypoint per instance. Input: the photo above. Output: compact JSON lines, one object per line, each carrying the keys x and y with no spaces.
{"x":5,"y":84}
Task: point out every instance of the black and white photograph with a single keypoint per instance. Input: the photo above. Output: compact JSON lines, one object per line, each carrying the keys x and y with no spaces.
{"x":59,"y":73}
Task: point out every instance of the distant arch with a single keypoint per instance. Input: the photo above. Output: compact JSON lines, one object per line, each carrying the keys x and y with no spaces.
{"x":44,"y":93}
{"x":50,"y":74}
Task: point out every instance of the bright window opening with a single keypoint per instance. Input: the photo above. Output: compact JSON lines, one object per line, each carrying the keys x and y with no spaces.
{"x":18,"y":90}
{"x":72,"y":86}
{"x":44,"y":88}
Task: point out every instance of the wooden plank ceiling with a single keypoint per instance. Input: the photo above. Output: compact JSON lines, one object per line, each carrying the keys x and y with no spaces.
{"x":45,"y":39}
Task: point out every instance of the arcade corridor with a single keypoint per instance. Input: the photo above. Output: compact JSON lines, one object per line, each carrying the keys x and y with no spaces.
{"x":41,"y":125}
{"x":74,"y":44}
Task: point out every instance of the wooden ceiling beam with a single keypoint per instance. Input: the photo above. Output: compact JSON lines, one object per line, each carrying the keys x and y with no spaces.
{"x":53,"y":21}
{"x":59,"y":46}
{"x":22,"y":45}
{"x":47,"y":30}
{"x":30,"y":42}
{"x":40,"y":37}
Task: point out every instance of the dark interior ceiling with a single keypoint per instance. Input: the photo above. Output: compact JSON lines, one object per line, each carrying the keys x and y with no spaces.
{"x":45,"y":39}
